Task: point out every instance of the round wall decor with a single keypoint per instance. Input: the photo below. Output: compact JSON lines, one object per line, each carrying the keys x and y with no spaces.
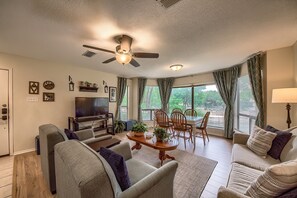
{"x":48,"y":85}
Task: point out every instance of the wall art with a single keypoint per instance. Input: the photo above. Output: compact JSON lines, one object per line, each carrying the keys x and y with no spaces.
{"x":33,"y":87}
{"x":48,"y":97}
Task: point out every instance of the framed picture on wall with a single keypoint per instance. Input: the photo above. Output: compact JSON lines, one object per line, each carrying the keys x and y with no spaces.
{"x":112,"y":94}
{"x":48,"y":97}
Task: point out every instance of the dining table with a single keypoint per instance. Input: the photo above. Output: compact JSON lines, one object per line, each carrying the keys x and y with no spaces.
{"x":193,"y":121}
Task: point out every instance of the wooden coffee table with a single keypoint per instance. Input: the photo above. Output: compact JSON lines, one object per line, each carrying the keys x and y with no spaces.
{"x":152,"y":143}
{"x":104,"y":143}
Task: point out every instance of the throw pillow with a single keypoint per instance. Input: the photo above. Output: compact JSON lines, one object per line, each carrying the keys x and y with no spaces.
{"x":279,"y":142}
{"x":260,"y":141}
{"x":276,"y":180}
{"x":118,"y":165}
{"x":71,"y":135}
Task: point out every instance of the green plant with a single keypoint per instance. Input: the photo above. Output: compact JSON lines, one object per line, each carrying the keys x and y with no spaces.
{"x":139,"y":127}
{"x":161,"y":134}
{"x":119,"y":126}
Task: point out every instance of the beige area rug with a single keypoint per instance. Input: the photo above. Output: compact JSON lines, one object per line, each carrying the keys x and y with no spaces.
{"x":192,"y":174}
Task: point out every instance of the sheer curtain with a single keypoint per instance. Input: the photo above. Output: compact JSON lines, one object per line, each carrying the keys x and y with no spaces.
{"x":121,"y":89}
{"x":226,"y":81}
{"x":165,"y":88}
{"x":141,"y":87}
{"x":255,"y":75}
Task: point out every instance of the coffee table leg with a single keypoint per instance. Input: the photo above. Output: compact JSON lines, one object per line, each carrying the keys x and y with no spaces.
{"x":163,"y":156}
{"x":136,"y":146}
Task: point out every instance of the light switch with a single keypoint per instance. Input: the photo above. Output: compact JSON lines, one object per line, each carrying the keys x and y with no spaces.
{"x":32,"y":99}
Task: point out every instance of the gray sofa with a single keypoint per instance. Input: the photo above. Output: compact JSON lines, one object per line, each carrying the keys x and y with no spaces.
{"x":49,"y":136}
{"x":246,"y":166}
{"x":83,"y":173}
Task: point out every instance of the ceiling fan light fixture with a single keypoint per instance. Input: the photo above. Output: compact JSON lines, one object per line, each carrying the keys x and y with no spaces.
{"x":123,"y":58}
{"x":176,"y":67}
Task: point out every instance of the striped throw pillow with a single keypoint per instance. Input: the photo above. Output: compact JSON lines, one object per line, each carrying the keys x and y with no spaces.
{"x":276,"y":180}
{"x":260,"y":141}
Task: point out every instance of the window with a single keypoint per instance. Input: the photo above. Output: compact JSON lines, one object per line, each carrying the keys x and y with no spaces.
{"x":151,"y":101}
{"x":181,"y":97}
{"x":246,"y":109}
{"x":124,"y":106}
{"x":207,"y":98}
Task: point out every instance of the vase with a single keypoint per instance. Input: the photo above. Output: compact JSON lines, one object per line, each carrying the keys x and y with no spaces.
{"x":159,"y":139}
{"x":138,"y":134}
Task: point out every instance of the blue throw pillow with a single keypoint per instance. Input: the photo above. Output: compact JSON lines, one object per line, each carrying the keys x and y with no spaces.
{"x":70,"y":134}
{"x":279,"y":142}
{"x":118,"y":165}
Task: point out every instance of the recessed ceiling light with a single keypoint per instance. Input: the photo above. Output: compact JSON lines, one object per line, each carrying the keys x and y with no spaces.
{"x":176,"y":67}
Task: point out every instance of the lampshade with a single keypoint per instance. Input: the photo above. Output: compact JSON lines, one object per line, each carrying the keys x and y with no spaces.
{"x":123,"y":58}
{"x":284,"y":95}
{"x":176,"y":67}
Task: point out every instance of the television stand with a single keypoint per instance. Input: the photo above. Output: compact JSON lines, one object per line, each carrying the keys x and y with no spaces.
{"x":99,"y":124}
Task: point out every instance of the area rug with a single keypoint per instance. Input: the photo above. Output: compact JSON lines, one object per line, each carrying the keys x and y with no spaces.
{"x":192,"y":174}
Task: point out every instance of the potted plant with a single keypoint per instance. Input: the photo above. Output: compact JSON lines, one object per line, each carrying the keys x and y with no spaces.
{"x":119,"y":126}
{"x":139,"y":128}
{"x":161,"y":134}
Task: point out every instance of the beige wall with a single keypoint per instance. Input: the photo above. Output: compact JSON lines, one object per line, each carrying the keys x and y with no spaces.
{"x":28,"y":116}
{"x":280,"y":74}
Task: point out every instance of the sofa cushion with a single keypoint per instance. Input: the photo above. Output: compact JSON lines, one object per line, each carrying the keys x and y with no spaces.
{"x":260,"y":141}
{"x":290,"y":150}
{"x":138,"y":170}
{"x":241,"y":177}
{"x":118,"y":166}
{"x":289,"y":194}
{"x":279,"y":141}
{"x":243,"y":155}
{"x":275,"y":181}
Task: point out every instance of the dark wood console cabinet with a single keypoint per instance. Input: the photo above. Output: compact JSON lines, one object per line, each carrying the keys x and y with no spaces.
{"x":98,"y":123}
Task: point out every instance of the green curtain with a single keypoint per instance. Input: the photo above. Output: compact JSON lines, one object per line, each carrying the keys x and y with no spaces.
{"x":226,"y":81}
{"x":165,"y":88}
{"x":121,"y":89}
{"x":255,"y":75}
{"x":141,"y":87}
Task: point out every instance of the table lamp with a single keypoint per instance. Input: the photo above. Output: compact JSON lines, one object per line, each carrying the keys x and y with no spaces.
{"x":285,"y":95}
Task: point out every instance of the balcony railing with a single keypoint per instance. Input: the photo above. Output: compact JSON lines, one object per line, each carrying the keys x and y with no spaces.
{"x":148,"y":114}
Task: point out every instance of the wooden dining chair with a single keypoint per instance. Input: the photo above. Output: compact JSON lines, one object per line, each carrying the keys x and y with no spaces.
{"x":176,"y":110}
{"x":162,"y":120}
{"x":191,"y":112}
{"x":155,"y":119}
{"x":181,"y":127}
{"x":202,"y":128}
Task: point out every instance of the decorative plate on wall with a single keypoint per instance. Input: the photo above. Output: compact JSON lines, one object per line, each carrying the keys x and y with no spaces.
{"x":49,"y":85}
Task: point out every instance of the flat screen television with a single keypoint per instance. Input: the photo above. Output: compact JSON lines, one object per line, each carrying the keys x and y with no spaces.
{"x":85,"y":106}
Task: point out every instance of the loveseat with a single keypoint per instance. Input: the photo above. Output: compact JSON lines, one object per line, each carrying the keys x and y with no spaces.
{"x":246,"y":166}
{"x":49,"y":136}
{"x":83,"y":173}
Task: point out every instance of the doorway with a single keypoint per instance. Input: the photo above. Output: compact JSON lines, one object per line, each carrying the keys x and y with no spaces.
{"x":4,"y":112}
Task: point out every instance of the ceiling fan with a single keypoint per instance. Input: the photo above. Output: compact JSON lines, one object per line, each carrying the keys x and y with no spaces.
{"x":123,"y":53}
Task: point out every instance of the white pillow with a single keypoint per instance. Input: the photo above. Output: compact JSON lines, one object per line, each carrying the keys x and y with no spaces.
{"x":260,"y":141}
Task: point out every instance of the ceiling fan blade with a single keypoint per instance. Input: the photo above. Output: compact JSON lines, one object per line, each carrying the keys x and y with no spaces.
{"x":145,"y":55}
{"x":110,"y":60}
{"x":97,"y":48}
{"x":134,"y":63}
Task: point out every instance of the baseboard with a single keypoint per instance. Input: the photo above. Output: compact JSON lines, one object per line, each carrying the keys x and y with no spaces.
{"x":24,"y":151}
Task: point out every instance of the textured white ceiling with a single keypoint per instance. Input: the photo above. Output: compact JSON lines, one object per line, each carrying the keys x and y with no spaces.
{"x":203,"y":35}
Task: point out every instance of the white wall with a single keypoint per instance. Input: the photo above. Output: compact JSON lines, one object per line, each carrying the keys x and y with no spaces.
{"x":28,"y":116}
{"x":280,"y":74}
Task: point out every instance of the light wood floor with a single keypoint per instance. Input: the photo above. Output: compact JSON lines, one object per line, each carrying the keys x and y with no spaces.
{"x":29,"y":182}
{"x":6,"y":171}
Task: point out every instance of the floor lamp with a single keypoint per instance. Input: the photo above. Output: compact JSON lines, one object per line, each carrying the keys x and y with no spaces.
{"x":285,"y":95}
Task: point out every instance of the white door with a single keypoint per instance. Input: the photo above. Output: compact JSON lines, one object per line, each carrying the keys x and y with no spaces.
{"x":4,"y":128}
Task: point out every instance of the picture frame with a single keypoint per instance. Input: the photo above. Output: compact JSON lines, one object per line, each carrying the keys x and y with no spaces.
{"x":33,"y":87}
{"x":112,"y":94}
{"x":48,"y":97}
